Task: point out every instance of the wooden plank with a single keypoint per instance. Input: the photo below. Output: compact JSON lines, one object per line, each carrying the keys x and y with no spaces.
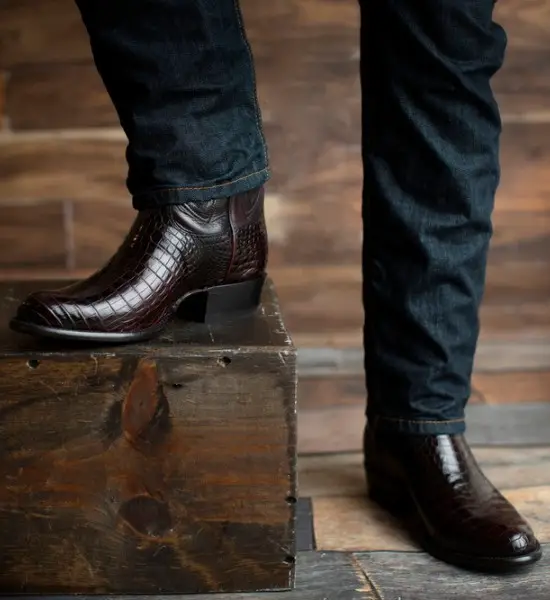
{"x":45,"y":86}
{"x":327,"y":575}
{"x":338,"y":487}
{"x":3,"y":80}
{"x":527,"y":23}
{"x":340,"y":429}
{"x":46,"y":31}
{"x":33,"y":235}
{"x":96,"y":240}
{"x":317,"y":392}
{"x":522,"y":85}
{"x":337,"y":475}
{"x":35,"y":168}
{"x":107,"y":453}
{"x":362,"y":525}
{"x":510,"y":387}
{"x":492,"y":357}
{"x":418,"y":576}
{"x":331,"y":391}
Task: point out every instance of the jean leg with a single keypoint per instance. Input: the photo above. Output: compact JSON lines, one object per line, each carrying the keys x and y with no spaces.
{"x":431,"y":131}
{"x":181,"y":76}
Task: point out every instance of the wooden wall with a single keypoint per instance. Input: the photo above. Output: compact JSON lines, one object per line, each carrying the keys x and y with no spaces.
{"x":64,"y":207}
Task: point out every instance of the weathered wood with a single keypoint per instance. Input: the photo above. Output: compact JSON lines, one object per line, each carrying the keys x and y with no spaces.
{"x":45,"y":86}
{"x":345,"y":520}
{"x":320,"y":575}
{"x":47,"y":31}
{"x":166,"y":466}
{"x":512,"y":386}
{"x":510,"y":468}
{"x":507,"y":387}
{"x":340,"y":428}
{"x":418,"y":576}
{"x":96,"y":240}
{"x":33,"y":235}
{"x":3,"y":118}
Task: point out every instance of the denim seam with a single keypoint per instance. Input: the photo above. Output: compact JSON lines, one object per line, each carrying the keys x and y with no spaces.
{"x":255,"y":101}
{"x":397,"y":420}
{"x":207,"y":187}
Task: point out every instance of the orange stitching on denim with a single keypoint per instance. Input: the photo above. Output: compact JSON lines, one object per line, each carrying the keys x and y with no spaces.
{"x":207,"y":187}
{"x":397,"y":420}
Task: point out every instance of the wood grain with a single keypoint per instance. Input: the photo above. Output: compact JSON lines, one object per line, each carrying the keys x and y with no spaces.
{"x":509,"y":468}
{"x":363,"y":525}
{"x":313,"y":63}
{"x":327,"y":575}
{"x":3,"y":115}
{"x":33,"y":235}
{"x":58,"y":96}
{"x":43,"y":32}
{"x":512,"y":386}
{"x":417,"y":576}
{"x":340,"y":428}
{"x":112,"y":468}
{"x":96,"y":239}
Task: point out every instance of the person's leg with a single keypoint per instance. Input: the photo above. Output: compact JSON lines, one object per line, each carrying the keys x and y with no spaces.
{"x":431,"y":130}
{"x":181,"y":77}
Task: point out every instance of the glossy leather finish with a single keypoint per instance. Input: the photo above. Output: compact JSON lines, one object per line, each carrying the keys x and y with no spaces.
{"x":169,"y":253}
{"x":459,"y":515}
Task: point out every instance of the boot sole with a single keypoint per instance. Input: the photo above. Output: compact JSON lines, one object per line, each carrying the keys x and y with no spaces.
{"x":209,"y":305}
{"x":401,"y":505}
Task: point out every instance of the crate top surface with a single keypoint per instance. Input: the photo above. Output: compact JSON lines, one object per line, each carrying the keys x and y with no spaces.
{"x":263,"y":331}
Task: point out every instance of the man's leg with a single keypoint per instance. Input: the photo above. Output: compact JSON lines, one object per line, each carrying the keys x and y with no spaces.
{"x":181,"y":77}
{"x":430,"y":147}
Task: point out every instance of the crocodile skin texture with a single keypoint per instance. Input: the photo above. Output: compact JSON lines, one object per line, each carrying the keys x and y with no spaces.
{"x":461,"y":512}
{"x":169,"y":252}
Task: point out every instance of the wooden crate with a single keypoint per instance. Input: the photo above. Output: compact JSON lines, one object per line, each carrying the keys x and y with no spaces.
{"x":162,"y":467}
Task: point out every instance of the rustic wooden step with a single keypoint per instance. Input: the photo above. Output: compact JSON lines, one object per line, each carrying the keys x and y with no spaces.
{"x":161,"y":467}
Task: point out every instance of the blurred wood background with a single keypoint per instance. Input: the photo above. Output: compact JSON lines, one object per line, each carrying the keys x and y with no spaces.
{"x":65,"y":209}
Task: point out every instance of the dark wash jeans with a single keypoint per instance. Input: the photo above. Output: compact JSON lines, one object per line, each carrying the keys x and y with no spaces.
{"x":180,"y":74}
{"x":181,"y":77}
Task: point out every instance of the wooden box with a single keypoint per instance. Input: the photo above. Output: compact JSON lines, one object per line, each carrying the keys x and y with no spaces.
{"x":162,"y":467}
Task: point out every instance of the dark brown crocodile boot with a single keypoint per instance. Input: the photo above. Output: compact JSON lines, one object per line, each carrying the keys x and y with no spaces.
{"x":435,"y":483}
{"x":206,"y":259}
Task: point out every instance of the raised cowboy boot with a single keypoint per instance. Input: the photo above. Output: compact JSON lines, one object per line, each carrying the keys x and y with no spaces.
{"x":209,"y":257}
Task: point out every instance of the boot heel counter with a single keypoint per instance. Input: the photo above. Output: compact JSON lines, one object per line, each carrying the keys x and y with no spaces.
{"x":250,"y":236}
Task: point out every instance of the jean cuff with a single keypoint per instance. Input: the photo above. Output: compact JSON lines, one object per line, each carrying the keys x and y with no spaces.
{"x":180,"y":195}
{"x":418,"y":426}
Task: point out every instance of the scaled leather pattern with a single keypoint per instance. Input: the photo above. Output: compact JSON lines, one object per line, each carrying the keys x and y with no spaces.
{"x":168,"y":252}
{"x":460,"y":509}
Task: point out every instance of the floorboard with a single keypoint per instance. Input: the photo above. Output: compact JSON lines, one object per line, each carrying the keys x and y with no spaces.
{"x":346,"y":520}
{"x":342,"y":474}
{"x":417,"y":576}
{"x":320,"y":576}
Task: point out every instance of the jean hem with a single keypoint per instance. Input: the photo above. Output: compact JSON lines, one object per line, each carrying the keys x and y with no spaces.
{"x":199,"y":193}
{"x":419,"y":426}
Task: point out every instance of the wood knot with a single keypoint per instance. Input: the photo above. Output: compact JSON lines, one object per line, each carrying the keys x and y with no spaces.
{"x":141,"y":401}
{"x":147,"y":515}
